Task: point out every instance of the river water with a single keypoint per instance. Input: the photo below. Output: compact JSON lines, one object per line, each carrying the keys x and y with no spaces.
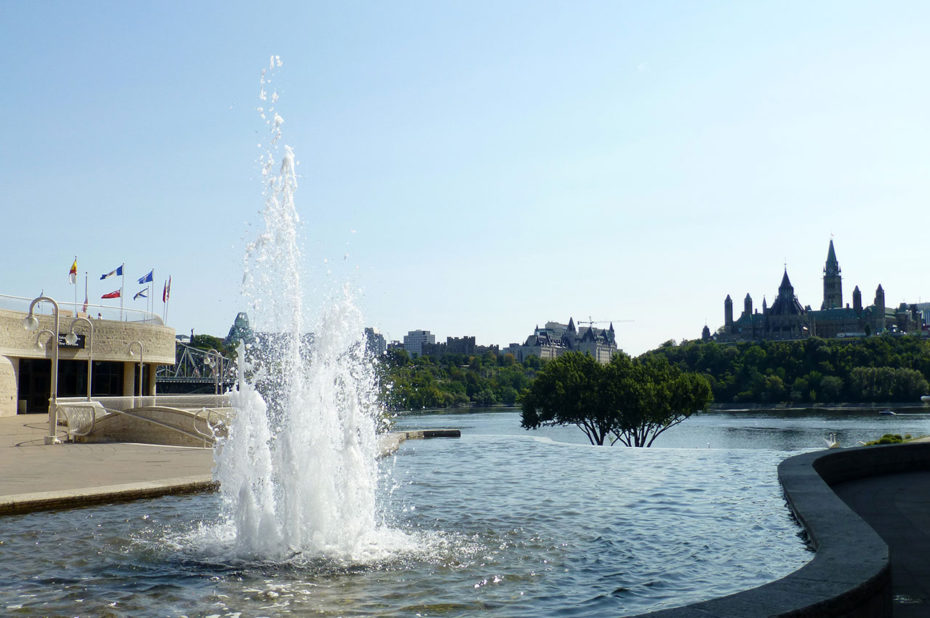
{"x":505,"y":521}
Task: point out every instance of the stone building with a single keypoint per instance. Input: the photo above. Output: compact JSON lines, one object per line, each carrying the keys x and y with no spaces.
{"x":114,"y":348}
{"x":556,"y":339}
{"x":787,"y":319}
{"x":464,"y":346}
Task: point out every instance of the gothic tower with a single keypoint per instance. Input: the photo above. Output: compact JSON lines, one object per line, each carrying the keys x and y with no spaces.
{"x":832,"y":282}
{"x":857,"y":300}
{"x":879,"y":310}
{"x":728,"y":315}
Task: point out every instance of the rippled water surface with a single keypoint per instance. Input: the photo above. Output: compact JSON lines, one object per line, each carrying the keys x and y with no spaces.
{"x":505,"y":521}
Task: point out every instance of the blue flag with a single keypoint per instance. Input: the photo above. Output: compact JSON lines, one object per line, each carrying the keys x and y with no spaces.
{"x":143,"y":293}
{"x":149,"y":277}
{"x":118,"y":272}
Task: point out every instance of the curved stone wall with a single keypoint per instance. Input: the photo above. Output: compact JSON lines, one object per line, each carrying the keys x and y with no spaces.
{"x":849,"y":575}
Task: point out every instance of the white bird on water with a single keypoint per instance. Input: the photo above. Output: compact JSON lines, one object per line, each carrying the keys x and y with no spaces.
{"x":831,"y":441}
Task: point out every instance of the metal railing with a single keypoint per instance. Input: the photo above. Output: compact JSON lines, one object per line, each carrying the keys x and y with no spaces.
{"x":81,"y":416}
{"x":69,"y":309}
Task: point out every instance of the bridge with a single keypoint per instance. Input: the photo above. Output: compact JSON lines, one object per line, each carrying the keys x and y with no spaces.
{"x":196,"y":371}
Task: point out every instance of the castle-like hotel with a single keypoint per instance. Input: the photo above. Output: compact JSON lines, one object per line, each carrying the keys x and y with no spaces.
{"x":787,"y":319}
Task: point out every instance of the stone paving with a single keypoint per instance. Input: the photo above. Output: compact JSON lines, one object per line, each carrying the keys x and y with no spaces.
{"x":36,"y":476}
{"x":897,"y":506}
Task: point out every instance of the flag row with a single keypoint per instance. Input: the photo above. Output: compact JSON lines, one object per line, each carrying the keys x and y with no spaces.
{"x":118,"y":272}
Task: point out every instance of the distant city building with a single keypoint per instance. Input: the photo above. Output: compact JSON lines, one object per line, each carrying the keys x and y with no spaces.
{"x":787,"y":319}
{"x":375,"y":342}
{"x":240,"y":331}
{"x":924,"y":309}
{"x":453,"y":345}
{"x":414,"y":340}
{"x":556,"y":339}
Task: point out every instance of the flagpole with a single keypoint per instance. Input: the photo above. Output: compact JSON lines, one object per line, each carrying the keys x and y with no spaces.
{"x":85,"y":291}
{"x":122,"y":286}
{"x":74,"y":283}
{"x":168,"y":299}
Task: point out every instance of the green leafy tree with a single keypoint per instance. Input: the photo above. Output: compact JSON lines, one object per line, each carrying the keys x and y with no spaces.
{"x":653,"y":396}
{"x":565,"y":393}
{"x":627,"y":401}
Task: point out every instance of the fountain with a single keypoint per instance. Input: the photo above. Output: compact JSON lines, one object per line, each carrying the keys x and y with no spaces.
{"x":308,"y":520}
{"x":298,"y":473}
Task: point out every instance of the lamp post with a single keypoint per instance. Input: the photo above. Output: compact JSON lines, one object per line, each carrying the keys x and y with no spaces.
{"x":215,"y":362}
{"x":31,"y":323}
{"x":71,"y":339}
{"x":141,"y":368}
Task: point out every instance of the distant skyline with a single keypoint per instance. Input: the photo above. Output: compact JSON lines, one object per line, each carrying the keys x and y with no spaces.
{"x":473,"y":168}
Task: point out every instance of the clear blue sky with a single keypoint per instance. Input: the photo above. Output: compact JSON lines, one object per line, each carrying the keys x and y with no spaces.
{"x":476,"y":168}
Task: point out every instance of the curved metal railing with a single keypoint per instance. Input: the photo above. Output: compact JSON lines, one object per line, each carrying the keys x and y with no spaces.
{"x":81,"y":416}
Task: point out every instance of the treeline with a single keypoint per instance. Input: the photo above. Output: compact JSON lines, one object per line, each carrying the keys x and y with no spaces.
{"x":453,"y":380}
{"x":872,"y":369}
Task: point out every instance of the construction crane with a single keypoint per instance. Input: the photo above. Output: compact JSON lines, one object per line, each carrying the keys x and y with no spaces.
{"x":591,"y":322}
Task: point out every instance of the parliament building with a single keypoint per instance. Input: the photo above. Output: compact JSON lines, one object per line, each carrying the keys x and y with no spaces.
{"x":788,"y":319}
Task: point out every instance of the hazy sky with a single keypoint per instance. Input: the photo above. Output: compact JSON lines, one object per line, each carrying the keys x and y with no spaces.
{"x":474,"y":168}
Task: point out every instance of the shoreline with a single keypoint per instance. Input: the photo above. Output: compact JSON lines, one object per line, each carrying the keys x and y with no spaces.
{"x":831,"y":407}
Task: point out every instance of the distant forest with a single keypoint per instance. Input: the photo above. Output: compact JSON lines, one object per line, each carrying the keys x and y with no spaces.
{"x":880,"y":369}
{"x":453,"y":380}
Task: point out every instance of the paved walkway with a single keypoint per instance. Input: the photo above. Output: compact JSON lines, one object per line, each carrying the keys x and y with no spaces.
{"x":34,"y":476}
{"x":897,"y":506}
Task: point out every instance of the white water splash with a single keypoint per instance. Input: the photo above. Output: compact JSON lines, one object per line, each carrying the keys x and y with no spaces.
{"x":298,"y":471}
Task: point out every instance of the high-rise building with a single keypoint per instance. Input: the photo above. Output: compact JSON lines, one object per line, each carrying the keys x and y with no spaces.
{"x":414,"y":340}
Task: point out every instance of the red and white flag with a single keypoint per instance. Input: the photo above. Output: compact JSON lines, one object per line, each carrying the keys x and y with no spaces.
{"x":113,"y":294}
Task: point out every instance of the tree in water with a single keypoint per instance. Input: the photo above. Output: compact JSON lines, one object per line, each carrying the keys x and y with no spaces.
{"x":631,"y":401}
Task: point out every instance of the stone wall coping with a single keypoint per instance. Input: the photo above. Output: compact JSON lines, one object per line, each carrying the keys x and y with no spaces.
{"x":850,"y":573}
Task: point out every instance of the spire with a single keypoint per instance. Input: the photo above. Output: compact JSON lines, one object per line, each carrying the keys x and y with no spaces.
{"x":786,"y":283}
{"x":832,"y":267}
{"x":571,"y":325}
{"x":832,"y":281}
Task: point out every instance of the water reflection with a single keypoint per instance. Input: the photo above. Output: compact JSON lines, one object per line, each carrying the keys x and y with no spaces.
{"x":781,"y":430}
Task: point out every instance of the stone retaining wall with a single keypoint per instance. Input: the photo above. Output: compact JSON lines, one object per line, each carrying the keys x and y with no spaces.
{"x":849,"y":575}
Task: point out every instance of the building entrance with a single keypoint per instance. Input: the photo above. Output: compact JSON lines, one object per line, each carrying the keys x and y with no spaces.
{"x":35,"y":384}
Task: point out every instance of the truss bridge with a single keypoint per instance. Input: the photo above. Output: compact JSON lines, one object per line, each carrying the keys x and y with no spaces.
{"x":196,"y":371}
